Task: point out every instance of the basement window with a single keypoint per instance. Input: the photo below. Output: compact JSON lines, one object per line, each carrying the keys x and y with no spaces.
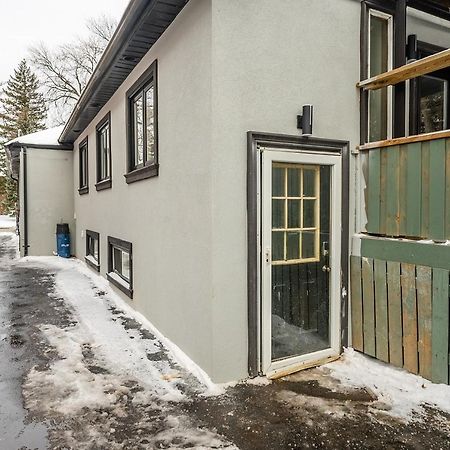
{"x":142,"y":127}
{"x":103,"y":131}
{"x":83,"y":167}
{"x":120,"y":265}
{"x":92,"y":257}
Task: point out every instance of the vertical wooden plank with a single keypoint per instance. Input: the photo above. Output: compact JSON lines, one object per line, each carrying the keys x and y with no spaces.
{"x":392,"y":190}
{"x":383,"y":189}
{"x":395,"y":314}
{"x":381,"y":311}
{"x":414,"y":190}
{"x":373,"y":200}
{"x":425,"y":210}
{"x":437,"y":189}
{"x":368,"y":306}
{"x":403,"y":174}
{"x":447,"y":190}
{"x":440,"y":321}
{"x":356,"y":303}
{"x":424,"y":310}
{"x":409,"y":309}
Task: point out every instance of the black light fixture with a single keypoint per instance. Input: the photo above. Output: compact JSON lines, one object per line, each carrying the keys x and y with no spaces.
{"x":305,"y":120}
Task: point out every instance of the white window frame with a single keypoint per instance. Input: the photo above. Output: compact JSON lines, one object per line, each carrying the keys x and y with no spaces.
{"x":389,"y":18}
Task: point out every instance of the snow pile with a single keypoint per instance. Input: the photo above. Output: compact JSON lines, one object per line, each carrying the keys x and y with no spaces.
{"x":401,"y":392}
{"x":49,"y":136}
{"x":7,"y":222}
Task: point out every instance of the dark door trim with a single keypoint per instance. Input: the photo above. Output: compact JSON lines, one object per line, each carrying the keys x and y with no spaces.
{"x":256,"y":140}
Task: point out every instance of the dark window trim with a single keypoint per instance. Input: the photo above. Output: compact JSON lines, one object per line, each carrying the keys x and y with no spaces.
{"x":145,"y":170}
{"x":94,"y":235}
{"x":398,"y":11}
{"x":128,"y":248}
{"x":105,"y":183}
{"x":83,"y":189}
{"x":254,"y":140}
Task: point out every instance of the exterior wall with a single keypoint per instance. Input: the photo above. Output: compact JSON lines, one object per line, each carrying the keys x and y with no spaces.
{"x":224,"y":68}
{"x":428,"y":28}
{"x":50,"y":198}
{"x":267,"y":63}
{"x":167,"y":218}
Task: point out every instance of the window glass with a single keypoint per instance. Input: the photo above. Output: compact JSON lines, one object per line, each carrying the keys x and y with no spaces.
{"x":295,"y":206}
{"x":432,"y":104}
{"x":139,"y":129}
{"x":104,"y":152}
{"x":150,"y":124}
{"x":378,"y":63}
{"x":143,"y":123}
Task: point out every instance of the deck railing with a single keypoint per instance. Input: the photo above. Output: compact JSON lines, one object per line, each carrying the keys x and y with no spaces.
{"x":400,"y":278}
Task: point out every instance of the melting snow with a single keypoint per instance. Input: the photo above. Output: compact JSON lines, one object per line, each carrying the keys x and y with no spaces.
{"x":402,"y":393}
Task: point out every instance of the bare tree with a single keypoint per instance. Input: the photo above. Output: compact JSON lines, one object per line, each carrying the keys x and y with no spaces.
{"x":65,"y":70}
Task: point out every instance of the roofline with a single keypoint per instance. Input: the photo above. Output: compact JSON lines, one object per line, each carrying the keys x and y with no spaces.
{"x":18,"y":145}
{"x":132,"y":14}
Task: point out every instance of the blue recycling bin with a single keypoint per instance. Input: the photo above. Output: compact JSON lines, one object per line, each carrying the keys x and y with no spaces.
{"x":63,"y":240}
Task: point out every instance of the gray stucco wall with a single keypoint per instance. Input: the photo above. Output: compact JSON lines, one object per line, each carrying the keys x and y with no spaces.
{"x":167,"y":218}
{"x":224,"y":67}
{"x":269,"y":59}
{"x":50,"y":197}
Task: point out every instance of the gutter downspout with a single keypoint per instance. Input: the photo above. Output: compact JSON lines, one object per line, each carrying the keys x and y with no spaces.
{"x":25,"y":203}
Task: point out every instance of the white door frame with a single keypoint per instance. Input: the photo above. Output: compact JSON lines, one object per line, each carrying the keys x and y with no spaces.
{"x":270,"y":155}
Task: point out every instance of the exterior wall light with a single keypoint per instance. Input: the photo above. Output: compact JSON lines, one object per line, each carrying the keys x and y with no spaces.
{"x":305,"y":120}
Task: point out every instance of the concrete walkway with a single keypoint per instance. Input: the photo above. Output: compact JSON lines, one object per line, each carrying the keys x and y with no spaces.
{"x":77,"y":371}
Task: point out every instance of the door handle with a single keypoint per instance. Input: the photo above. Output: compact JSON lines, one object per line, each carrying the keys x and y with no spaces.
{"x":326,"y":269}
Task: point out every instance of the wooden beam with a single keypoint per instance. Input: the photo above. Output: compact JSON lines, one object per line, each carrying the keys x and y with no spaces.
{"x":415,"y":69}
{"x":405,"y":140}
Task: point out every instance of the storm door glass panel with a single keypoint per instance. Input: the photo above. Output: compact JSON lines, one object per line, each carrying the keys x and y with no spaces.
{"x":378,"y":63}
{"x":300,"y":243}
{"x":432,"y":104}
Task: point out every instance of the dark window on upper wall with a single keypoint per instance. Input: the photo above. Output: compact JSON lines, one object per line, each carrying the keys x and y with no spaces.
{"x":83,"y":167}
{"x":120,"y":265}
{"x":93,"y":249}
{"x":429,"y":100}
{"x":142,"y":129}
{"x":103,"y":131}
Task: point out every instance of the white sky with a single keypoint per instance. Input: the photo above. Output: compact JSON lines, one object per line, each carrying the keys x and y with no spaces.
{"x":26,"y":22}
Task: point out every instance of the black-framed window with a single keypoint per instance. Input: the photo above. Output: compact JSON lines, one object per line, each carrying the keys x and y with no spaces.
{"x":83,"y":167}
{"x":103,"y":132}
{"x":120,"y":265}
{"x":142,"y":130}
{"x":93,"y":249}
{"x":429,"y":99}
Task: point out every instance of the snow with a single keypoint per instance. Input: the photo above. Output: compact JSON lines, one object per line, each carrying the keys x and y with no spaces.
{"x":7,"y":222}
{"x":78,"y":284}
{"x":119,"y":279}
{"x":402,"y":393}
{"x":49,"y":136}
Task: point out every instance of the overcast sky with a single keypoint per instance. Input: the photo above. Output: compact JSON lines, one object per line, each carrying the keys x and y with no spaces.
{"x":26,"y":22}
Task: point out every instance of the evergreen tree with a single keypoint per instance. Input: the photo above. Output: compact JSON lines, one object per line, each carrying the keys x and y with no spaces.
{"x":22,"y":111}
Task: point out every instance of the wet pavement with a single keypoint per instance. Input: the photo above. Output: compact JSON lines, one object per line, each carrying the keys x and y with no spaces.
{"x":306,"y":410}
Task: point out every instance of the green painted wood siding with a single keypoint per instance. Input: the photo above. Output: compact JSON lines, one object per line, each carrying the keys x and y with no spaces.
{"x":400,"y":314}
{"x":408,"y":190}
